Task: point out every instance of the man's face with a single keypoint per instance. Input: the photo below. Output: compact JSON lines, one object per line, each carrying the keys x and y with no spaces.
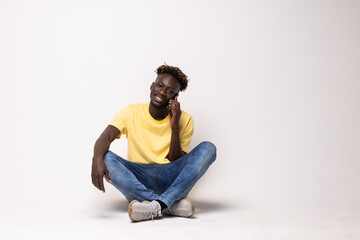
{"x":163,"y":89}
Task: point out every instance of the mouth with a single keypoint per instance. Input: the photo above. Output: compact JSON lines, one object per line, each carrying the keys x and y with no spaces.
{"x":159,"y":99}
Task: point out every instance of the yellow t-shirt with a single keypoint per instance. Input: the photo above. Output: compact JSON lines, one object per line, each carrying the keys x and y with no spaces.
{"x":149,"y":139}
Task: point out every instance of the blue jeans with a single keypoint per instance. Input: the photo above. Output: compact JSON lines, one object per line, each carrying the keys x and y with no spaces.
{"x":165,"y":182}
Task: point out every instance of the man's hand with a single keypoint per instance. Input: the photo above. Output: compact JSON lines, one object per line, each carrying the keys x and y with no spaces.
{"x":97,"y":174}
{"x":102,"y":144}
{"x":175,"y":113}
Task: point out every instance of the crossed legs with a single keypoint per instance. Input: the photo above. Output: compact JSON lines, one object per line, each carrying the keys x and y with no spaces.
{"x":164,"y":182}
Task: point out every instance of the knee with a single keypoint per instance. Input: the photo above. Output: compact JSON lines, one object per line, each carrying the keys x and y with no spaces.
{"x":208,"y":147}
{"x":109,"y":157}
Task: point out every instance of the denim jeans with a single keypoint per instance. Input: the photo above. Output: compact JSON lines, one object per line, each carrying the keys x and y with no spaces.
{"x":165,"y":182}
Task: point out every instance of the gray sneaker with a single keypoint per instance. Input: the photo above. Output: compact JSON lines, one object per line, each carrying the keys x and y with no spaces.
{"x":182,"y":208}
{"x":141,"y":211}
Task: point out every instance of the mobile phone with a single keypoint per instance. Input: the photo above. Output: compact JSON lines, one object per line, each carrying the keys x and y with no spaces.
{"x":175,"y":96}
{"x":168,"y":108}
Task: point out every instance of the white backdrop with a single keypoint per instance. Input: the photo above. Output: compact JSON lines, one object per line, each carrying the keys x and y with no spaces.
{"x":274,"y":84}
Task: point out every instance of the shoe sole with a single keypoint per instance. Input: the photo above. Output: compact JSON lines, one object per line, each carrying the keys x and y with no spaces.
{"x":130,"y":209}
{"x":192,"y":207}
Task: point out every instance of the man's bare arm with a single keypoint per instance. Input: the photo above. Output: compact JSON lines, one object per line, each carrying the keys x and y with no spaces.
{"x":102,"y":145}
{"x":175,"y":151}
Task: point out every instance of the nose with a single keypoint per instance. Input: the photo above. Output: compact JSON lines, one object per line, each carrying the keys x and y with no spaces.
{"x":162,"y":92}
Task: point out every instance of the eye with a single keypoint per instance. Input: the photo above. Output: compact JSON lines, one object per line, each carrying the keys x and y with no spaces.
{"x":170,"y":92}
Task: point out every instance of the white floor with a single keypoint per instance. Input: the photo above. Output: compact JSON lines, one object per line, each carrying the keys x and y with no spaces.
{"x":106,"y":218}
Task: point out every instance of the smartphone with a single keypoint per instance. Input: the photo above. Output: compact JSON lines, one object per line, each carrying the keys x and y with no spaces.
{"x":169,"y":108}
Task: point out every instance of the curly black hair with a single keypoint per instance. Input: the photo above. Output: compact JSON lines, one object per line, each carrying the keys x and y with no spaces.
{"x":176,"y":73}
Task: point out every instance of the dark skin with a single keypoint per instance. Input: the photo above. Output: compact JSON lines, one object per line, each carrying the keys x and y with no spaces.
{"x":163,"y":96}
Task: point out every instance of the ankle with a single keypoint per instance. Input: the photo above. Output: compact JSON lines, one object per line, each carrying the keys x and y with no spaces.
{"x":162,"y":204}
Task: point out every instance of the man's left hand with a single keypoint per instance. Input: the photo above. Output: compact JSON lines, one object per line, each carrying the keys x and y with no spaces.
{"x":175,"y":113}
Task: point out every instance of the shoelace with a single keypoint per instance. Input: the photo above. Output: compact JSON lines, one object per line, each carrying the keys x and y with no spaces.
{"x":152,"y":214}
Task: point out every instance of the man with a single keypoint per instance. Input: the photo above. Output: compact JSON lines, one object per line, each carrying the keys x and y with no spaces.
{"x":159,"y":171}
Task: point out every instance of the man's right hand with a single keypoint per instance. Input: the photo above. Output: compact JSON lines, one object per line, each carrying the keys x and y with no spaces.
{"x":98,"y":171}
{"x":102,"y":144}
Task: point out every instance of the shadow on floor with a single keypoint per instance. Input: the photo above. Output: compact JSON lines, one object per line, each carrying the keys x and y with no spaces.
{"x":120,"y":205}
{"x":207,"y":206}
{"x":201,"y":206}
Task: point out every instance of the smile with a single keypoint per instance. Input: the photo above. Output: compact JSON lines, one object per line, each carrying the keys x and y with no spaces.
{"x":159,"y":99}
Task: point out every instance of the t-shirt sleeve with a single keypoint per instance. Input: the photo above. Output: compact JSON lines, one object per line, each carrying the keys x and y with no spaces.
{"x":186,"y":136}
{"x":121,"y":120}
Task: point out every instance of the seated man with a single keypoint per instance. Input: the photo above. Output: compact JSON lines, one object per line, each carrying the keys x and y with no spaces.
{"x":159,"y":171}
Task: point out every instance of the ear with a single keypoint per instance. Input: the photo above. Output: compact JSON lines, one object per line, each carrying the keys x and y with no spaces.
{"x":152,"y":85}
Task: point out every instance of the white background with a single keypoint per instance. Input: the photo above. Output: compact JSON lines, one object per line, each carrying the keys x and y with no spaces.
{"x":274,"y":84}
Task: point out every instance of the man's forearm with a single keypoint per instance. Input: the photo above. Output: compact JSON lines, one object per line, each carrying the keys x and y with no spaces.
{"x":175,"y":151}
{"x":101,"y":146}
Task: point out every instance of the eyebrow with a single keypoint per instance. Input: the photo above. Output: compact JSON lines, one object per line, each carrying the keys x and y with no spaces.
{"x":167,"y":87}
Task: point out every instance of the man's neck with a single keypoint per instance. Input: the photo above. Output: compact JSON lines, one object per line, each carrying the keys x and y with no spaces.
{"x":158,"y":113}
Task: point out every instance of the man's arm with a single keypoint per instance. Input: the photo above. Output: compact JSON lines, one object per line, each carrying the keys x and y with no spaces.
{"x":102,"y":145}
{"x":175,"y":151}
